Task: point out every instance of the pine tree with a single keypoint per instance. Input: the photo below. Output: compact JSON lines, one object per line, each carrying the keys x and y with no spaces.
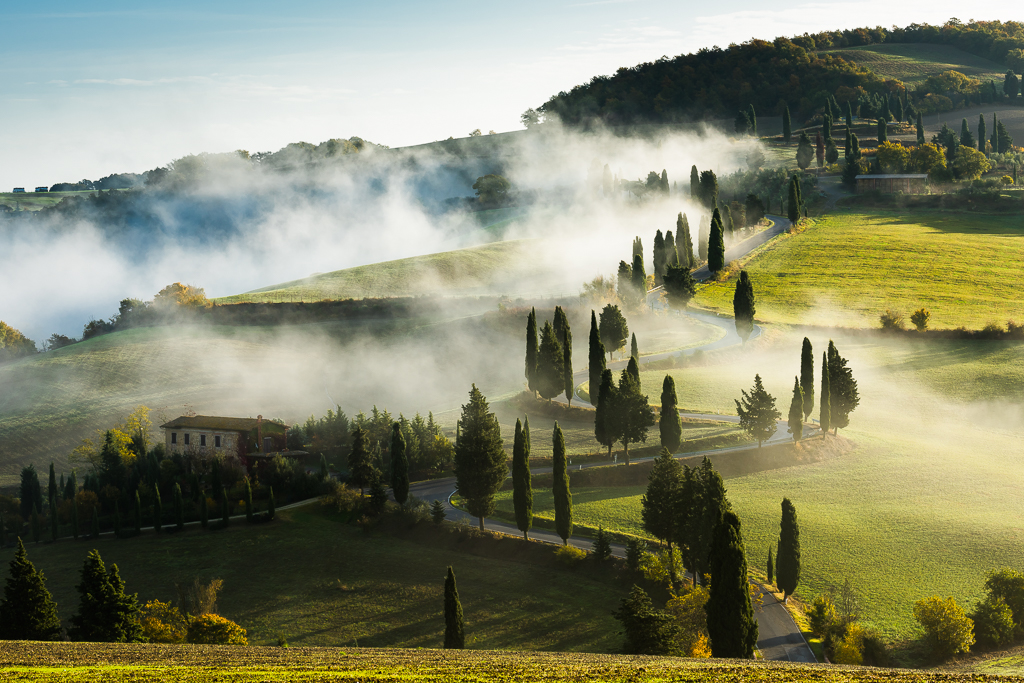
{"x":633,"y":413}
{"x":522,"y":485}
{"x":825,"y":411}
{"x":248,"y":501}
{"x":613,"y":328}
{"x":567,"y":375}
{"x":602,"y":544}
{"x":694,"y":181}
{"x":796,"y":411}
{"x":454,"y":632}
{"x":158,"y":510}
{"x":560,"y":487}
{"x":804,"y":152}
{"x":716,"y":243}
{"x":634,"y":350}
{"x":757,"y":412}
{"x":596,"y":364}
{"x":179,"y":508}
{"x":204,"y":512}
{"x":480,"y":466}
{"x":606,"y":423}
{"x":550,"y":362}
{"x":437,"y":512}
{"x":732,"y":626}
{"x":787,"y":126}
{"x":399,"y":465}
{"x":106,"y":614}
{"x":982,"y":135}
{"x":27,"y":610}
{"x":743,"y":307}
{"x":659,"y":504}
{"x":225,"y":510}
{"x":788,"y":562}
{"x":771,"y":567}
{"x":648,"y":631}
{"x":843,"y":394}
{"x":669,"y":426}
{"x":807,"y":376}
{"x":271,"y":506}
{"x":532,"y":352}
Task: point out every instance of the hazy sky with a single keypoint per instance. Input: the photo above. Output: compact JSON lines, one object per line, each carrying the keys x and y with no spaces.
{"x":135,"y":84}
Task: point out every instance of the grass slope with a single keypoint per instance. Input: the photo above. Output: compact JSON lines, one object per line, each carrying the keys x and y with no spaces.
{"x":467,"y":271}
{"x":92,"y":662}
{"x":318,"y":581}
{"x":33,"y":201}
{"x":913,"y":63}
{"x":847,"y":268}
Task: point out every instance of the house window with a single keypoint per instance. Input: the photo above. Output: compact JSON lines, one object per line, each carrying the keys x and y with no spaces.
{"x":216,"y":441}
{"x":186,"y":439}
{"x":174,"y":437}
{"x":202,"y":439}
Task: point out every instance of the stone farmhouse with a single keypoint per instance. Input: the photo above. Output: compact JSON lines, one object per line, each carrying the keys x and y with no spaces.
{"x":210,"y":435}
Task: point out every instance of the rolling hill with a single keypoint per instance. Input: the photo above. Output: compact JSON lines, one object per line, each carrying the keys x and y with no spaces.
{"x":913,"y":63}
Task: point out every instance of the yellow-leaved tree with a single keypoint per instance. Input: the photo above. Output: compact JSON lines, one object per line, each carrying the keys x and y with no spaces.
{"x":163,"y":623}
{"x":177,"y":295}
{"x":893,"y":157}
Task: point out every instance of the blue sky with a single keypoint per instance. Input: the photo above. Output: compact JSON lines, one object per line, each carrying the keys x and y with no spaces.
{"x":85,"y":93}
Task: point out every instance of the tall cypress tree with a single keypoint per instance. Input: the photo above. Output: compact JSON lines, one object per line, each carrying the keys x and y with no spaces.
{"x":883,"y":135}
{"x":633,"y":413}
{"x":848,"y":150}
{"x":158,"y":510}
{"x":567,"y":375}
{"x":825,"y":410}
{"x":51,"y":490}
{"x":771,"y":566}
{"x":788,"y":561}
{"x":716,"y":243}
{"x":560,"y":487}
{"x":606,"y":423}
{"x":982,"y":135}
{"x":74,"y":517}
{"x":807,"y":376}
{"x":995,"y":132}
{"x":550,"y":363}
{"x":668,"y":424}
{"x":596,"y":363}
{"x":659,"y":504}
{"x":106,"y":614}
{"x":560,"y":324}
{"x":454,"y":632}
{"x":753,"y":120}
{"x":659,"y":257}
{"x":522,"y":485}
{"x":743,"y":306}
{"x":639,"y":279}
{"x":694,"y":181}
{"x":966,"y":136}
{"x":54,"y":523}
{"x":844,"y":396}
{"x":732,"y":626}
{"x":804,"y":152}
{"x":634,"y":350}
{"x":480,"y":466}
{"x":849,"y":115}
{"x":532,"y":351}
{"x":27,"y":610}
{"x":684,"y":242}
{"x":671,"y":256}
{"x":796,"y":411}
{"x":399,"y":465}
{"x":179,"y":508}
{"x":793,"y":201}
{"x":787,"y":126}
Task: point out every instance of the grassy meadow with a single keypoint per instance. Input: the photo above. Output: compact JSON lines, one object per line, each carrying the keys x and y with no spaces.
{"x":319,"y":581}
{"x":849,"y":267}
{"x":33,"y":201}
{"x":913,"y":63}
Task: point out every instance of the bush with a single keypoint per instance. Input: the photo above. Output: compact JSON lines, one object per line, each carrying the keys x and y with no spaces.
{"x":341,"y":498}
{"x":602,"y":545}
{"x":849,"y":650}
{"x":822,"y":616}
{"x":213,"y":629}
{"x":163,"y":623}
{"x":874,"y":650}
{"x":570,"y":556}
{"x":993,"y":622}
{"x":1007,"y":180}
{"x":947,"y":629}
{"x":920,"y":319}
{"x":892,"y":320}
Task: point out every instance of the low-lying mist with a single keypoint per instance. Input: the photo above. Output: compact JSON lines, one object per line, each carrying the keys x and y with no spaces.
{"x":236,"y":226}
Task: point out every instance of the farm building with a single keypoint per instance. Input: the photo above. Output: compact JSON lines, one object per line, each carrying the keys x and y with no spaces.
{"x":209,"y":435}
{"x":907,"y":183}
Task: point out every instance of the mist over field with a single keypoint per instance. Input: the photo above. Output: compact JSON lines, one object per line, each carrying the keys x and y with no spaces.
{"x":233,"y":225}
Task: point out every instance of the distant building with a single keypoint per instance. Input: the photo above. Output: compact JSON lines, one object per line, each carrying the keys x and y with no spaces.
{"x":19,"y":189}
{"x":42,"y":188}
{"x":210,"y":435}
{"x":907,"y":183}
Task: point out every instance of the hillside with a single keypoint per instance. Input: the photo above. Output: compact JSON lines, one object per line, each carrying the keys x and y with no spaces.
{"x":90,"y":662}
{"x":489,"y":269}
{"x":913,"y":63}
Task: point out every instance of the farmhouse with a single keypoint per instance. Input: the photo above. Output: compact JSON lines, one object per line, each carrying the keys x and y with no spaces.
{"x":209,"y":435}
{"x":907,"y":183}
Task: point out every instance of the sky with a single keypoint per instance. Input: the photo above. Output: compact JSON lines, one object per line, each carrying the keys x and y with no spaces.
{"x":133,"y":85}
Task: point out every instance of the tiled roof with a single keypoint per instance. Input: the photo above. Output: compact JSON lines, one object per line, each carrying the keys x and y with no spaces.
{"x":233,"y":424}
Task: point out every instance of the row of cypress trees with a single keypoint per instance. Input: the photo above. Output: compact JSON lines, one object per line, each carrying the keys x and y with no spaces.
{"x":549,"y":360}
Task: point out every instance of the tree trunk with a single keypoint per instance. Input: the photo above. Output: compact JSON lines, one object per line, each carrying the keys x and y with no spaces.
{"x":481,"y":523}
{"x":625,"y":451}
{"x":526,"y":535}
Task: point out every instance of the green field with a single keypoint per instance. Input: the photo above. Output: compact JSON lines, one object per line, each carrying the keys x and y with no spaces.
{"x":913,"y":63}
{"x":318,"y":581}
{"x":847,"y":268}
{"x":476,"y":270}
{"x":91,"y":662}
{"x":33,"y":201}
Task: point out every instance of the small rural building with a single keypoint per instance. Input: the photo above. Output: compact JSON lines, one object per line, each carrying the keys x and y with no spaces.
{"x":907,"y":183}
{"x":19,"y":189}
{"x":42,"y":188}
{"x":209,"y":435}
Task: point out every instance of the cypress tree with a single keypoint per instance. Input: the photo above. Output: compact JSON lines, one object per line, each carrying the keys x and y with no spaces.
{"x":634,"y":350}
{"x":179,"y":508}
{"x":807,"y":376}
{"x":804,"y":152}
{"x":849,"y":115}
{"x":844,"y":397}
{"x":728,"y":225}
{"x":94,"y":532}
{"x":819,"y":149}
{"x":225,"y":512}
{"x":117,"y":519}
{"x":825,"y":411}
{"x":567,"y":374}
{"x":248,"y":500}
{"x":639,"y":278}
{"x":158,"y":510}
{"x":664,"y":181}
{"x":522,"y":486}
{"x":550,"y":363}
{"x":753,"y":120}
{"x":480,"y":466}
{"x":855,"y":146}
{"x":602,"y":547}
{"x":138,"y":513}
{"x":848,"y":150}
{"x":680,"y":287}
{"x":995,"y":132}
{"x":204,"y":512}
{"x":900,"y":113}
{"x":966,"y":136}
{"x":324,"y":471}
{"x":454,"y":632}
{"x":633,"y":414}
{"x":399,"y":465}
{"x":37,"y":531}
{"x":54,"y":531}
{"x":850,"y":171}
{"x":560,"y":324}
{"x":27,"y":610}
{"x":596,"y":363}
{"x":787,"y":126}
{"x":532,"y":351}
{"x":982,"y":135}
{"x":613,"y":328}
{"x":633,"y":369}
{"x":560,"y":487}
{"x":659,"y":257}
{"x":606,"y":423}
{"x":703,"y":235}
{"x":743,"y":307}
{"x":716,"y":243}
{"x":669,"y":425}
{"x":732,"y":626}
{"x":106,"y":614}
{"x":659,"y":504}
{"x":271,"y":506}
{"x":796,"y":411}
{"x":694,"y":181}
{"x":671,"y":256}
{"x":52,"y":486}
{"x":883,"y":135}
{"x":788,"y":562}
{"x":684,"y":242}
{"x":771,"y":566}
{"x":793,"y":203}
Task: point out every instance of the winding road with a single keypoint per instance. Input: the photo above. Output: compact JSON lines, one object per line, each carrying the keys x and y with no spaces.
{"x":779,"y":637}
